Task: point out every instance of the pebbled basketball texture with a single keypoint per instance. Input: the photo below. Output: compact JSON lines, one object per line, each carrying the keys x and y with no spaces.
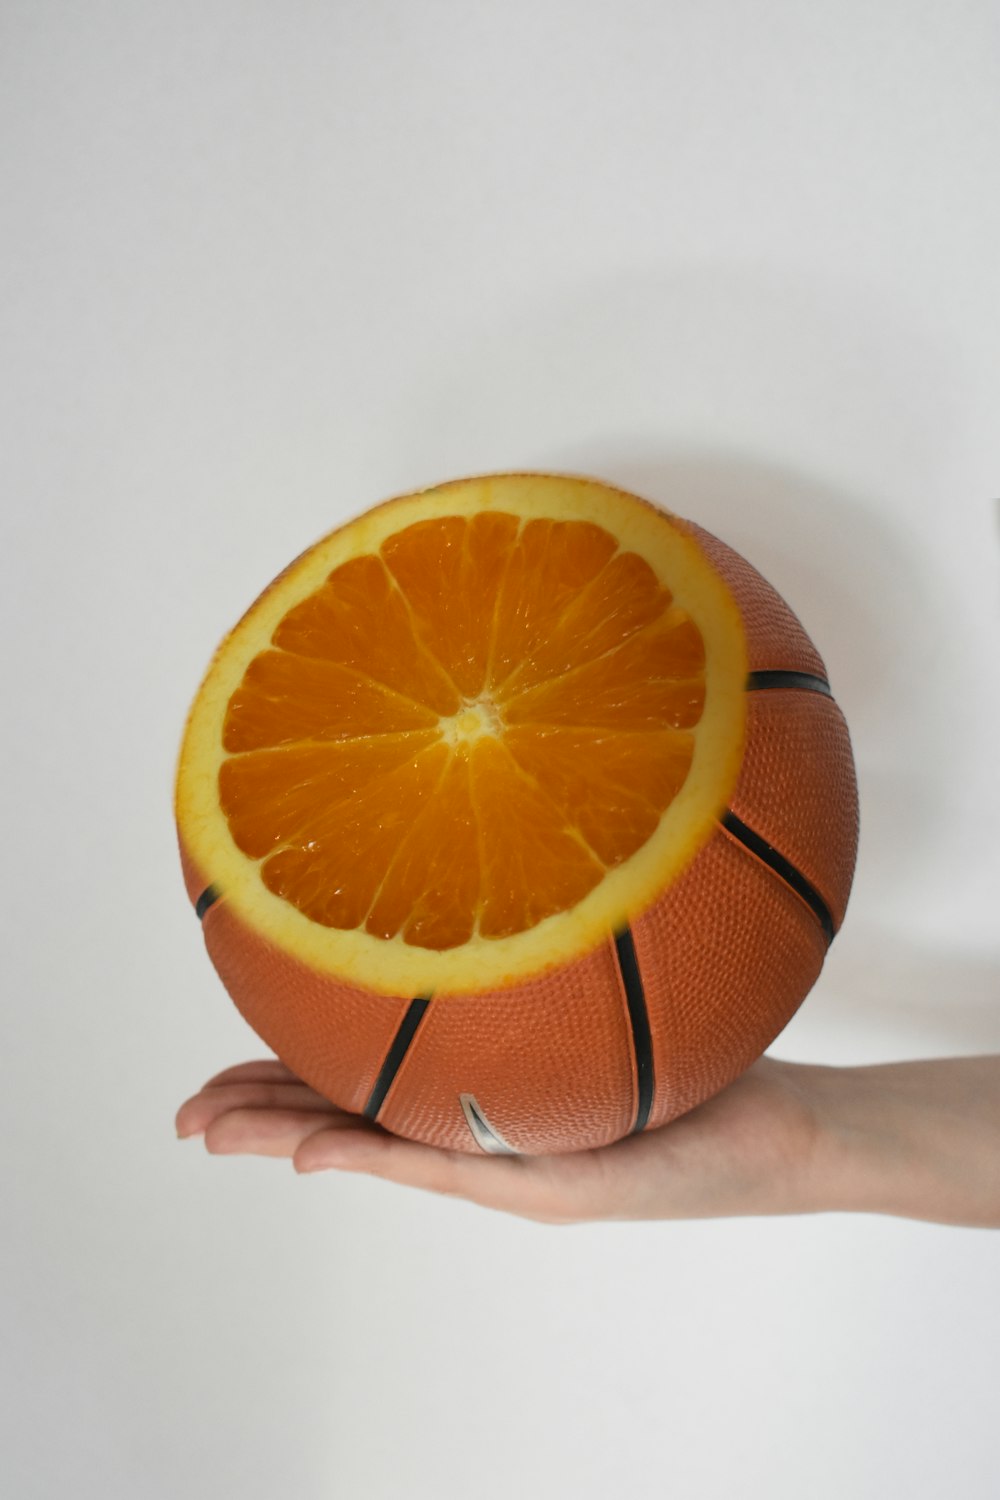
{"x":562,"y":1061}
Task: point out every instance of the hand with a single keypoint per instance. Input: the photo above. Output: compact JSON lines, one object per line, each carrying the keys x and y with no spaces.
{"x":748,"y":1150}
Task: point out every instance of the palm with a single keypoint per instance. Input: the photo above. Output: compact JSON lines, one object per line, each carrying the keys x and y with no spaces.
{"x":742,"y":1152}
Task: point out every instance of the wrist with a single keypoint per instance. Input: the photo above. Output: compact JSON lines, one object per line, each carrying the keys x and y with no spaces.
{"x":855,"y":1145}
{"x":914,"y":1139}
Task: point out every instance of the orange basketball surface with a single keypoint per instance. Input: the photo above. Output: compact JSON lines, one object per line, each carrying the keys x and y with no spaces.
{"x":519,"y":815}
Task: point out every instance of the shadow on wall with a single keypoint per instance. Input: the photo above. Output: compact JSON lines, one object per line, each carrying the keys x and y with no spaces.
{"x":926,"y":997}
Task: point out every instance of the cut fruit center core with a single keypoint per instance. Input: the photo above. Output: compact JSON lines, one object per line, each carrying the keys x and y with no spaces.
{"x":474,"y":720}
{"x":462,"y":733}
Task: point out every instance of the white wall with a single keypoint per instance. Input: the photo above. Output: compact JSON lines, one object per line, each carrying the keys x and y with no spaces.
{"x":265,"y":265}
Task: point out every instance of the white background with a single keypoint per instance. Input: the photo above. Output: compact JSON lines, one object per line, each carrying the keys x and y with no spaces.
{"x":264,"y":266}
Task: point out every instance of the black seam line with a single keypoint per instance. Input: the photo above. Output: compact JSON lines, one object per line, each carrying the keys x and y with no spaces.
{"x":209,"y":895}
{"x":638,"y":1016}
{"x":781,"y":866}
{"x":394,"y":1057}
{"x":808,"y":680}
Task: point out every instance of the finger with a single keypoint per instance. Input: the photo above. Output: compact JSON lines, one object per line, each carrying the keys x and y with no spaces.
{"x":261,"y":1070}
{"x":263,"y":1132}
{"x":520,"y":1185}
{"x":198,"y":1112}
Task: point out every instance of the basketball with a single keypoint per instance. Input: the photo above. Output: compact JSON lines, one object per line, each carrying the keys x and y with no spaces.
{"x":519,"y":814}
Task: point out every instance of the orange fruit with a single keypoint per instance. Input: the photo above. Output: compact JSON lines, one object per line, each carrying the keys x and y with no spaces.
{"x":519,"y":814}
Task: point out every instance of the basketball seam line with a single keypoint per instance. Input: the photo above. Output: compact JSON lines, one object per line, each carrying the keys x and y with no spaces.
{"x":208,"y":897}
{"x":782,"y":867}
{"x":638,"y":1015}
{"x":394,"y":1057}
{"x":810,"y":681}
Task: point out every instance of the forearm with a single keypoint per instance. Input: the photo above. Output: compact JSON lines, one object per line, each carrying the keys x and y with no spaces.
{"x":916,"y":1139}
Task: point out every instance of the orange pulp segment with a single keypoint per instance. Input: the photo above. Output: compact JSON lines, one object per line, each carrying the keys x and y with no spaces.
{"x":463,"y":730}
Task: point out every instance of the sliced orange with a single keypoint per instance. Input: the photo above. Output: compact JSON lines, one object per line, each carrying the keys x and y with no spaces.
{"x":468,"y":734}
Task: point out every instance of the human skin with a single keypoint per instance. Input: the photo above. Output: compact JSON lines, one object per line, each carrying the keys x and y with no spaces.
{"x":917,"y":1140}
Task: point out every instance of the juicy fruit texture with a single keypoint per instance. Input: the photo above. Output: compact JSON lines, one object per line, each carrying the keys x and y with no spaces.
{"x":463,"y":731}
{"x":463,"y":739}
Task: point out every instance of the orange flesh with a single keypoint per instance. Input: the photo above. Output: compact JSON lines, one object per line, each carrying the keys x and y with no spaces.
{"x":461,"y":734}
